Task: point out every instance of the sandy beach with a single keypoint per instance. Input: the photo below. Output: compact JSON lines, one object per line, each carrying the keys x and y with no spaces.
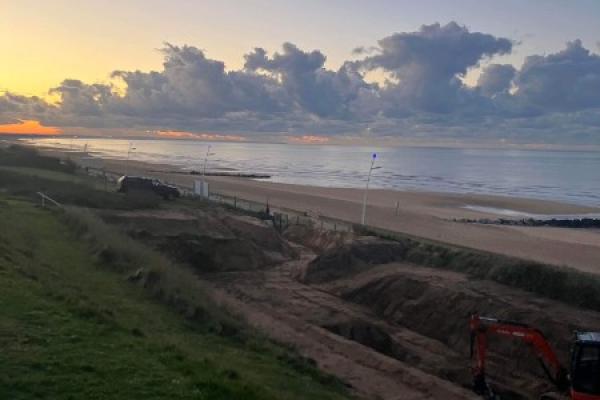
{"x":423,"y":214}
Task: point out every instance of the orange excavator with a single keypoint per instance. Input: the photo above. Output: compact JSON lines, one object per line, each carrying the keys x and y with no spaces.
{"x":582,"y":382}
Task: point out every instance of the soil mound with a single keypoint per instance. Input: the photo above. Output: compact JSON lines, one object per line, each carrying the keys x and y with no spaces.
{"x":214,"y":254}
{"x":317,"y":240}
{"x":208,"y":241}
{"x":351,"y":258}
{"x":260,"y":232}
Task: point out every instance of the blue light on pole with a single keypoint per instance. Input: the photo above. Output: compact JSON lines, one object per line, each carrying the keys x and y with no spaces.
{"x":364,"y":206}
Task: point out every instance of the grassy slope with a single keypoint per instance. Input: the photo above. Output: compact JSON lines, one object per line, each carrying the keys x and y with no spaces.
{"x":70,"y":329}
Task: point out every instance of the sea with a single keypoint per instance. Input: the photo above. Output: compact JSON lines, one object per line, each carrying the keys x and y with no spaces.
{"x":565,"y":176}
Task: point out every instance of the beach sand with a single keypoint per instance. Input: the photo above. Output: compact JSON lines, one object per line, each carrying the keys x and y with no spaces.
{"x":423,"y":214}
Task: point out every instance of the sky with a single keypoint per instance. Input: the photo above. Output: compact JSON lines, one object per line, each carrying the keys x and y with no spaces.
{"x":183,"y":66}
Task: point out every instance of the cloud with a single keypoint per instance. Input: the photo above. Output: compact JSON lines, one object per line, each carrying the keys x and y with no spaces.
{"x":192,"y":85}
{"x":306,"y":83}
{"x":14,"y":107}
{"x":428,"y":63}
{"x":565,"y":81}
{"x":362,"y":50}
{"x":82,"y":99}
{"x":290,"y":93}
{"x":496,"y":79}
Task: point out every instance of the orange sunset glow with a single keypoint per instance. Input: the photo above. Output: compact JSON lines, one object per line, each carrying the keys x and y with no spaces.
{"x":309,"y":139}
{"x":199,"y":136}
{"x":29,"y":127}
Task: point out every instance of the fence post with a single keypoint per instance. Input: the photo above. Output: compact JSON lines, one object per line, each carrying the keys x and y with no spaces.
{"x":234,"y":202}
{"x":397,"y":206}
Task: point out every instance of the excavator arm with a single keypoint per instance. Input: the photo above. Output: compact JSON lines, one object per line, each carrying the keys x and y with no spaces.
{"x":481,"y":328}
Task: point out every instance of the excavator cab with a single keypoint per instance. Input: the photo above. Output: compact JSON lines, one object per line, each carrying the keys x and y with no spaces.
{"x":585,"y":366}
{"x":582,"y":382}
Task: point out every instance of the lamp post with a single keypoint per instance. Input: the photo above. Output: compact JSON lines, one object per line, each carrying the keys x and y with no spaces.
{"x":71,"y":142}
{"x":208,"y":153}
{"x":130,"y":149}
{"x":364,"y":207}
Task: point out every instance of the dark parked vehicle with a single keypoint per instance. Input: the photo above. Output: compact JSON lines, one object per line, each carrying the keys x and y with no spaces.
{"x":135,"y":183}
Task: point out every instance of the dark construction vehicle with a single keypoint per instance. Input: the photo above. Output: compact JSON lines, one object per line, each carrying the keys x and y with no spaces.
{"x":140,"y":184}
{"x":582,"y":382}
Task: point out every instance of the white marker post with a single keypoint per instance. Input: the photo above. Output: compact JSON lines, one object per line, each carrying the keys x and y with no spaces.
{"x":208,"y":153}
{"x":364,"y":208}
{"x":130,"y":149}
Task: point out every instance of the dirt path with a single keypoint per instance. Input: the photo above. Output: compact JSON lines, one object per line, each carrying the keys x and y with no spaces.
{"x":297,"y":314}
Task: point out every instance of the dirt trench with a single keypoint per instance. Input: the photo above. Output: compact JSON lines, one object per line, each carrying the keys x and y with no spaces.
{"x":413,"y":315}
{"x":388,"y":330}
{"x":312,"y":320}
{"x":437,"y":304}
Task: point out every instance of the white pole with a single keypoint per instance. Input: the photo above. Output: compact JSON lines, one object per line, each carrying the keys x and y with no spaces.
{"x":205,"y":162}
{"x":129,"y":150}
{"x":364,"y":207}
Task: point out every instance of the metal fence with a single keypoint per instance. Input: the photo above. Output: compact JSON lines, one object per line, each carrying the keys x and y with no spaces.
{"x":281,"y":217}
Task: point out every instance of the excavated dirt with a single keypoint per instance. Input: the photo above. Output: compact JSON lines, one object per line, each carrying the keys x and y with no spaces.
{"x":389,"y":330}
{"x":416,"y":317}
{"x":208,"y":241}
{"x":375,"y":358}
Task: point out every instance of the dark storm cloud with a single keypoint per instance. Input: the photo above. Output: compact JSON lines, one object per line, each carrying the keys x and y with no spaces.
{"x":553,"y":98}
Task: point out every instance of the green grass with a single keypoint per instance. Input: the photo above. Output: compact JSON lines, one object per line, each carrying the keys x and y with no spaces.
{"x":72,"y":328}
{"x":23,"y":156}
{"x":43,"y":173}
{"x":73,"y":189}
